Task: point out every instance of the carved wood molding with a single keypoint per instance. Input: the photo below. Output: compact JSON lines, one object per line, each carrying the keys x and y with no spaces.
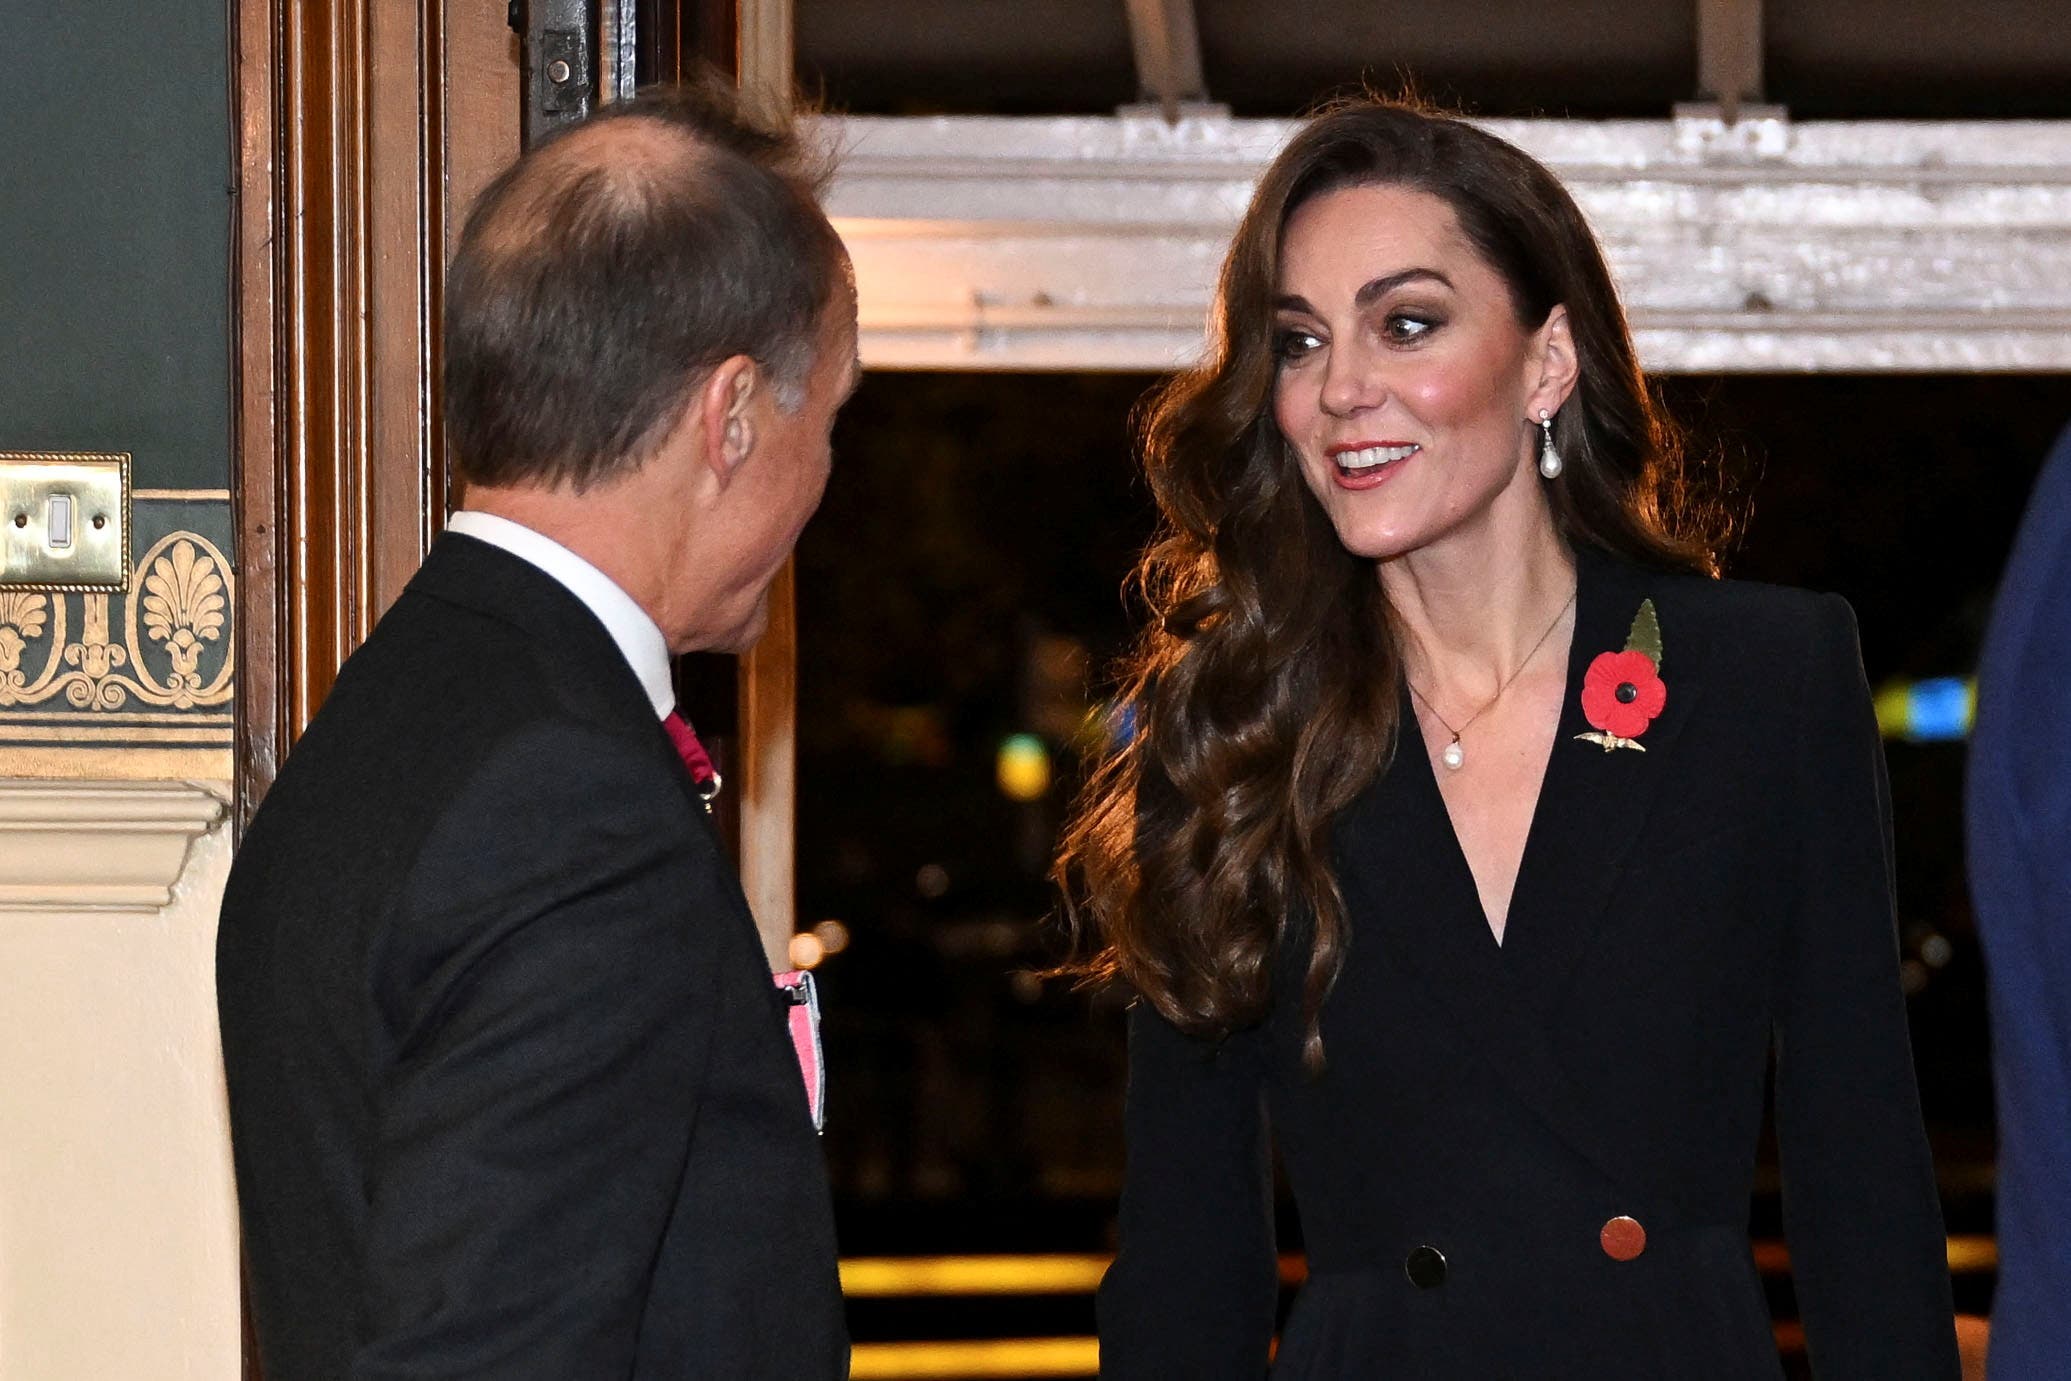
{"x":769,"y":670}
{"x":752,"y":40}
{"x":363,"y":125}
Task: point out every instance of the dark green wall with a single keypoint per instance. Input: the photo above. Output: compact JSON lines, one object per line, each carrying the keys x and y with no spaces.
{"x":115,"y":234}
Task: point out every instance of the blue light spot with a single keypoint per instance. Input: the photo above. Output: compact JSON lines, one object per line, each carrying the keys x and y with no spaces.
{"x":1940,"y":710}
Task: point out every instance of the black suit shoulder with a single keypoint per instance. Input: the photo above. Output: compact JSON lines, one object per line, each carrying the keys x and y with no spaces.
{"x":442,"y":678}
{"x":439,"y":688}
{"x":1780,"y":663}
{"x":1762,"y":616}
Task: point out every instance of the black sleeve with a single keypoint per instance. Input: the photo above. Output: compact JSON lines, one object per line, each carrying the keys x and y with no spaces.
{"x":547,"y":1009}
{"x":1192,"y":1293}
{"x":1868,"y":1253}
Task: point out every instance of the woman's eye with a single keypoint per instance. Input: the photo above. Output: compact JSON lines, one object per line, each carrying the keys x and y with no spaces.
{"x":1292,"y":345}
{"x":1402,"y":327}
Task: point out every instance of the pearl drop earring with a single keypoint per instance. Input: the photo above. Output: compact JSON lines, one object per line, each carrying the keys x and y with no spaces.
{"x":1549,"y":455}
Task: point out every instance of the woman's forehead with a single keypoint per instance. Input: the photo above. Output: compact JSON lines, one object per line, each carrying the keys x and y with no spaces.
{"x":1339,"y":242}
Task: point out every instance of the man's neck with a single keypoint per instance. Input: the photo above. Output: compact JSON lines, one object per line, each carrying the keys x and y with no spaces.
{"x":598,"y":527}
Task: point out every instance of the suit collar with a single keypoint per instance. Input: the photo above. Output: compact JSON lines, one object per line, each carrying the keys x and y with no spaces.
{"x":575,"y":650}
{"x":639,"y":641}
{"x":575,"y":653}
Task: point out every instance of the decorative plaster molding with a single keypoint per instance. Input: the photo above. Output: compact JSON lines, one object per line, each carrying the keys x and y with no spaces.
{"x":181,"y":588}
{"x":1075,"y":243}
{"x":100,"y":846}
{"x":134,"y":686}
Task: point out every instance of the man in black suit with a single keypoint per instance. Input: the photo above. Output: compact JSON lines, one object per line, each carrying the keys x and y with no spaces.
{"x":510,"y":1086}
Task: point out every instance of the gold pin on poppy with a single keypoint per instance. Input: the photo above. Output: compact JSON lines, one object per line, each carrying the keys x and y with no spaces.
{"x":1622,"y":692}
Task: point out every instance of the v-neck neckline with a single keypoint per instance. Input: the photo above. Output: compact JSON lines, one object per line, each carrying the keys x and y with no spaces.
{"x":1411,"y":895}
{"x":1457,"y":852}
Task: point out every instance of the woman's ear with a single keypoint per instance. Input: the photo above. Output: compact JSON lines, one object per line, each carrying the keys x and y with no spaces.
{"x":1552,"y":366}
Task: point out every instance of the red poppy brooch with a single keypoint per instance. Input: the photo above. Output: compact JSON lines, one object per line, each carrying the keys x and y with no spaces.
{"x":1622,"y":692}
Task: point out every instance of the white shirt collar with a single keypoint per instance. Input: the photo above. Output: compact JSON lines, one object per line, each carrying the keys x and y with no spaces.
{"x":645,"y":649}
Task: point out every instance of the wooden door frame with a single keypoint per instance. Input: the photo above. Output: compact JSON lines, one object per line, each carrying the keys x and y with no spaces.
{"x":364,"y":128}
{"x":768,"y":690}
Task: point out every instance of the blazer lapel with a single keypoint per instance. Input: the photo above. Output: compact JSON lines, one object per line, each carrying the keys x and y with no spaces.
{"x":1593,"y":801}
{"x":1408,"y":883}
{"x":1413,"y":901}
{"x":1399,"y":850}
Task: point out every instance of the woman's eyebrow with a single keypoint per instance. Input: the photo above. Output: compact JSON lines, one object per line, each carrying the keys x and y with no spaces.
{"x":1376,"y":289}
{"x":1369,"y":293}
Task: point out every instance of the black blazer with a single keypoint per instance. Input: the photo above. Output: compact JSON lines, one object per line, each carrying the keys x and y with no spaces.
{"x":1679,"y":915}
{"x":510,"y":1089}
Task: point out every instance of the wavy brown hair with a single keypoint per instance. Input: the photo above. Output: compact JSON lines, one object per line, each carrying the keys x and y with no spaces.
{"x":1265,"y":688}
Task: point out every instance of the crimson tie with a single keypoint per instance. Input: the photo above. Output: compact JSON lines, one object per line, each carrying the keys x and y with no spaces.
{"x":803,"y":1015}
{"x":693,"y":754}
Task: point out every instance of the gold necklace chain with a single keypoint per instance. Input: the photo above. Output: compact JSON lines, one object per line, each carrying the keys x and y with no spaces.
{"x":1455,"y":756}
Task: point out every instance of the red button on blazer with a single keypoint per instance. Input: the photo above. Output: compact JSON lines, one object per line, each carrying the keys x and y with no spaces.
{"x":1623,"y":1238}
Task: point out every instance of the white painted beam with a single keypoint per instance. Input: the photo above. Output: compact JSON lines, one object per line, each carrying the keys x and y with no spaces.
{"x":1091,"y":243}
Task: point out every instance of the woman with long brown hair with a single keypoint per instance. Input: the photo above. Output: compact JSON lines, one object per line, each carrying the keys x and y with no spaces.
{"x":1478,"y":842}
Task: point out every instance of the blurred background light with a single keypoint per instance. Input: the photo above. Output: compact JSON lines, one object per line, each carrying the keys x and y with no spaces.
{"x":1024,"y":767}
{"x":1938,"y":710}
{"x":807,"y":950}
{"x":1936,"y":951}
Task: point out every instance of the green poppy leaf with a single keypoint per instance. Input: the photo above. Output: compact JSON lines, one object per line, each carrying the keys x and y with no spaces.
{"x":1646,"y":634}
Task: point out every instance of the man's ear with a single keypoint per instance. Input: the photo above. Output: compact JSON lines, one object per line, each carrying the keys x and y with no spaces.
{"x":728,"y":405}
{"x":1555,"y":363}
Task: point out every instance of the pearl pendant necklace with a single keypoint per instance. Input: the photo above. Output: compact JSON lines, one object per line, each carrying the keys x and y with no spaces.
{"x":1454,"y":755}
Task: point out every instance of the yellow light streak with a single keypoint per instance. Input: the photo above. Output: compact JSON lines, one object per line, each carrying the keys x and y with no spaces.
{"x":873,"y":1277}
{"x":969,"y":1361}
{"x":1078,"y":1273}
{"x":1971,"y":1255}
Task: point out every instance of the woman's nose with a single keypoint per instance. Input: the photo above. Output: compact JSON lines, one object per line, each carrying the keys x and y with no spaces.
{"x":1351,"y":383}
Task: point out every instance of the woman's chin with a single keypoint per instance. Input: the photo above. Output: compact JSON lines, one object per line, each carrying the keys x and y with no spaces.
{"x":1371,"y":544}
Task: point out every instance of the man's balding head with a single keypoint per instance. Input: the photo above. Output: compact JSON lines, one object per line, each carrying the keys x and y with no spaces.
{"x":605,"y":272}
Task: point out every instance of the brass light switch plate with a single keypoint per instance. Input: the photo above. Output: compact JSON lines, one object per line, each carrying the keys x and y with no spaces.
{"x":64,"y":521}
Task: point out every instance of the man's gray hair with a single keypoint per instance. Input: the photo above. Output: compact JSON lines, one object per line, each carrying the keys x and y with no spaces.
{"x":606,"y":272}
